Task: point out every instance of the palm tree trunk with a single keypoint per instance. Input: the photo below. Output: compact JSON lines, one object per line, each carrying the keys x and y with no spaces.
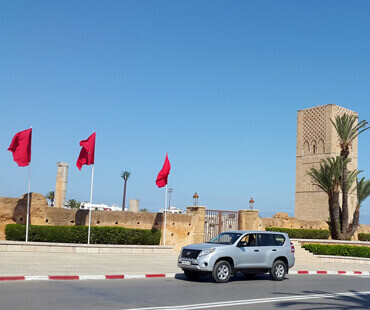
{"x":344,"y":214}
{"x":334,"y":216}
{"x":354,"y":224}
{"x":124,"y":196}
{"x":344,"y":217}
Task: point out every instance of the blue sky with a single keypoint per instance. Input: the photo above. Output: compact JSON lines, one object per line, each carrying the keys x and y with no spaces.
{"x":216,"y":84}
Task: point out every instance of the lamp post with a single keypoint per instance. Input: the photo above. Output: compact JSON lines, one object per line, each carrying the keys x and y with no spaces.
{"x":195,"y":199}
{"x":251,"y":203}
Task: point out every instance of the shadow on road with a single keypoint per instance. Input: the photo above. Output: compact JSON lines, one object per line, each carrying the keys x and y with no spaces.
{"x":239,"y":277}
{"x":338,"y":302}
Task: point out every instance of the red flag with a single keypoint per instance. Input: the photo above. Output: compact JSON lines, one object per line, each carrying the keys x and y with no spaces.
{"x":163,"y":174}
{"x":21,"y":147}
{"x":87,"y":152}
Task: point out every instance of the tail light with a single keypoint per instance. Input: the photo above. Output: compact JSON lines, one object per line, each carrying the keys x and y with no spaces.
{"x":292,"y":249}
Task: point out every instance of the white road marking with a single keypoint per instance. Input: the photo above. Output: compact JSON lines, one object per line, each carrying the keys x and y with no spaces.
{"x":92,"y":277}
{"x":36,"y":278}
{"x":254,"y":301}
{"x":135,"y":276}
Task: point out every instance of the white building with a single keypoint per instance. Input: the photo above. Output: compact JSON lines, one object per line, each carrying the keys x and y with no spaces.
{"x":172,"y":209}
{"x":99,"y":207}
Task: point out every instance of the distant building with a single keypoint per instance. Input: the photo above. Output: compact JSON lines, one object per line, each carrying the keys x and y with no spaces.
{"x":99,"y":207}
{"x":172,"y":209}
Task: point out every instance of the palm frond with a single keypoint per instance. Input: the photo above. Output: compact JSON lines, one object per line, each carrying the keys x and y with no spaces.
{"x":328,"y":175}
{"x":125,"y":175}
{"x":347,"y":128}
{"x":363,"y":190}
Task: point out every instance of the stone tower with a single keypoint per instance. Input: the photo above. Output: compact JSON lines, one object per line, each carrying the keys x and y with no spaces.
{"x":61,"y":184}
{"x":316,"y":140}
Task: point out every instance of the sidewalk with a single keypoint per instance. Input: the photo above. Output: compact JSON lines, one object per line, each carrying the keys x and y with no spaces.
{"x":35,"y":264}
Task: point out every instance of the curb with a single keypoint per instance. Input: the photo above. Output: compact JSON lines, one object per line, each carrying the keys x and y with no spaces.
{"x":363,"y":273}
{"x":159,"y":275}
{"x":89,"y":277}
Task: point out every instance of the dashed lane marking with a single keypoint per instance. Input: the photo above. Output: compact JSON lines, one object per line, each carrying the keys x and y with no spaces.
{"x":254,"y":301}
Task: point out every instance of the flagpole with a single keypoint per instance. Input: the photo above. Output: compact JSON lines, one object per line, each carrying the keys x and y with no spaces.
{"x":165,"y":218}
{"x":28,"y":200}
{"x":91,"y":191}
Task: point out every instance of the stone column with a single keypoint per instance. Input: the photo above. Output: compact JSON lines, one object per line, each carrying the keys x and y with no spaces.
{"x":199,"y":217}
{"x":248,"y":220}
{"x":134,"y":205}
{"x":61,"y":185}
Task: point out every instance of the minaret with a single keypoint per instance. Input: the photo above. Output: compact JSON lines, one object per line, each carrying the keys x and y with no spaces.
{"x":317,"y":139}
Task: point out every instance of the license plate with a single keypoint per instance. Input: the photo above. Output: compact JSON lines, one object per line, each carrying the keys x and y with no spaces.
{"x":186,"y":262}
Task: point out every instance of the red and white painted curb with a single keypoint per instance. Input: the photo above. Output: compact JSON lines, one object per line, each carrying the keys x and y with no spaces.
{"x":89,"y":277}
{"x":363,"y":273}
{"x":159,"y":275}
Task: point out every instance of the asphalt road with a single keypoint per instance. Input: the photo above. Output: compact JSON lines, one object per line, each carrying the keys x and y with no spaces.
{"x":295,"y":292}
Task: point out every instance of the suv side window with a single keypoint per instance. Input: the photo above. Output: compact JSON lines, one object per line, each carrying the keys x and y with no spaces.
{"x":248,"y":240}
{"x":279,"y":239}
{"x":266,"y":240}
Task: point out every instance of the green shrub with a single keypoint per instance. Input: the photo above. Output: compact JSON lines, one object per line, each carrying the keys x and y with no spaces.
{"x":363,"y":237}
{"x":302,"y":233}
{"x":338,"y":250}
{"x":78,"y":234}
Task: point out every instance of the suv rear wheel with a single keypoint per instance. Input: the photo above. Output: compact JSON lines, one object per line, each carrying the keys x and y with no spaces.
{"x":192,"y":275}
{"x":222,"y":272}
{"x":278,"y":270}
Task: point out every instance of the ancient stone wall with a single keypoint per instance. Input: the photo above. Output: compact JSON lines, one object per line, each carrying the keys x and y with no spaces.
{"x":180,"y":227}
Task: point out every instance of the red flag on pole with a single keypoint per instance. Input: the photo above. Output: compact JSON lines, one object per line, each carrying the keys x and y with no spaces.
{"x":163,"y":174}
{"x":87,"y":152}
{"x":21,"y":147}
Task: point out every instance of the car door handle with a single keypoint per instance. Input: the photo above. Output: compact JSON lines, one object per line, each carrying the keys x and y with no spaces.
{"x":274,"y":249}
{"x":256,"y":250}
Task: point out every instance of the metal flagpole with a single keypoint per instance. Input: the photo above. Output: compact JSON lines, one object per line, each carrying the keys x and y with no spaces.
{"x":165,"y":218}
{"x":91,"y":191}
{"x":28,"y":200}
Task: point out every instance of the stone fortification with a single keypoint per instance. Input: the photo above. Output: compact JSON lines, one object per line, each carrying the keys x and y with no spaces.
{"x":317,"y":140}
{"x":182,"y":229}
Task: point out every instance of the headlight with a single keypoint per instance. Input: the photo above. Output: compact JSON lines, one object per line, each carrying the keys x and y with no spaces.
{"x":206,"y":252}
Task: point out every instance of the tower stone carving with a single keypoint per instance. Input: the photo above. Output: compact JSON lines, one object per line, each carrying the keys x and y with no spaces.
{"x":317,"y":139}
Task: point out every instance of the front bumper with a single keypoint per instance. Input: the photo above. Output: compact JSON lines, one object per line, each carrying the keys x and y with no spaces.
{"x":200,"y":264}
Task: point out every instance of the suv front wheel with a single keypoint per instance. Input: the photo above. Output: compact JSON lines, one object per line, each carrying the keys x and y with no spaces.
{"x":222,"y":271}
{"x":278,"y":270}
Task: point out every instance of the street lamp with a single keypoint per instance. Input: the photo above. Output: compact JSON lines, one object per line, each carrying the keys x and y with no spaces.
{"x":195,"y":199}
{"x":251,"y":203}
{"x":170,"y":191}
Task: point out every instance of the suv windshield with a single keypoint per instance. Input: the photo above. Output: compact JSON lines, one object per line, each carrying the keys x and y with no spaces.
{"x":225,"y":238}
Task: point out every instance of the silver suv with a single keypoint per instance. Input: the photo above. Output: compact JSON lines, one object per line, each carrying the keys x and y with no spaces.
{"x":250,"y":252}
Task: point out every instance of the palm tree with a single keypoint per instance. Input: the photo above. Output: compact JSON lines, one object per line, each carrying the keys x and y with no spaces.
{"x":328,"y":178}
{"x":74,"y":204}
{"x":125,"y":176}
{"x":50,"y":195}
{"x":363,"y":191}
{"x":348,"y":128}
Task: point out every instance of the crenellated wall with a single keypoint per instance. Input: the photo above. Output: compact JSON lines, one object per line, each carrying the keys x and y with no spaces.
{"x":182,"y":229}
